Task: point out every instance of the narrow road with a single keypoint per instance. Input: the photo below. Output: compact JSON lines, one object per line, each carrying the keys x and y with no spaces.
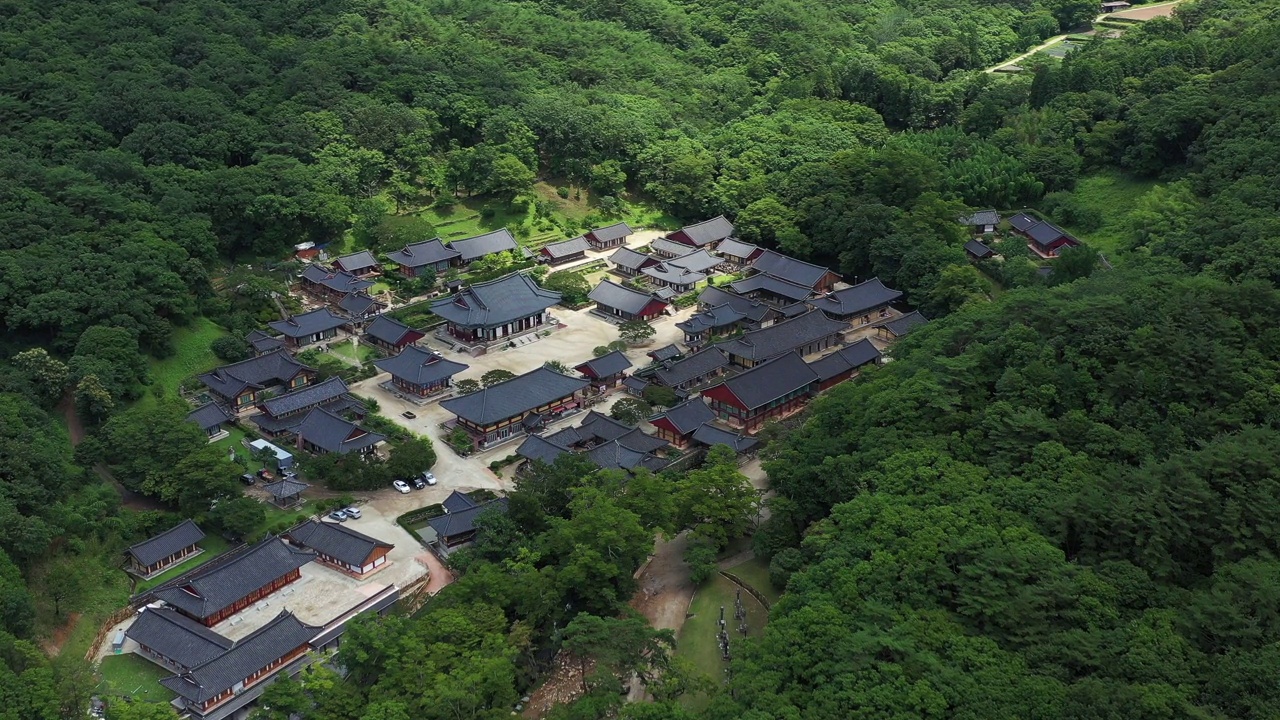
{"x":1059,"y":38}
{"x":1029,"y":53}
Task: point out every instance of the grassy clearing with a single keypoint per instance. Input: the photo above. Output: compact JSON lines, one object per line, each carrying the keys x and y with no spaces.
{"x":213,"y":545}
{"x":475,"y":216}
{"x":755,"y":572}
{"x":359,"y":353}
{"x":192,"y":357}
{"x":131,"y":676}
{"x":233,"y":441}
{"x":697,"y":640}
{"x":108,"y":593}
{"x":1113,"y":195}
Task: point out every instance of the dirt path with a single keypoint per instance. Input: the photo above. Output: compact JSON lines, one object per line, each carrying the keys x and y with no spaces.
{"x":1029,"y":53}
{"x":75,"y":430}
{"x":52,"y":645}
{"x":1145,"y":12}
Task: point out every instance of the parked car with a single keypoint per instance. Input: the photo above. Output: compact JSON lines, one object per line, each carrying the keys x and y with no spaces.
{"x":408,"y":414}
{"x":265,"y":474}
{"x":428,"y":477}
{"x":353,"y":513}
{"x":401,"y":486}
{"x":248,"y":479}
{"x":339,"y":515}
{"x":418,"y":483}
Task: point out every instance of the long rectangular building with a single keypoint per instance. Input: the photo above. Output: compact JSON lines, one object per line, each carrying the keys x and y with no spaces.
{"x":806,"y":334}
{"x":766,"y":392}
{"x":511,"y":408}
{"x":212,"y":593}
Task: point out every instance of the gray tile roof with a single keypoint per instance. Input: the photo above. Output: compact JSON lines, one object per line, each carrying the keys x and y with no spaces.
{"x":388,"y":330}
{"x":695,"y":366}
{"x":616,"y":455}
{"x":666,"y":352}
{"x":612,"y":232}
{"x":634,"y":384}
{"x":1046,"y":232}
{"x":753,"y":310}
{"x":458,"y":501}
{"x":669,"y":247}
{"x":688,"y":415}
{"x":709,"y":434}
{"x":255,"y":651}
{"x":793,"y":310}
{"x":496,"y":302}
{"x":337,"y":281}
{"x":333,"y":434}
{"x":1023,"y":221}
{"x":630,"y":259}
{"x":611,"y":294}
{"x":605,"y":365}
{"x":209,"y":415}
{"x":429,"y":252}
{"x":565,"y":248}
{"x":860,"y":298}
{"x":783,"y":337}
{"x":337,"y":541}
{"x":305,"y":397}
{"x":699,"y":261}
{"x":355,"y":262}
{"x":153,"y":550}
{"x":788,"y":268}
{"x":540,"y":448}
{"x":285,"y":488}
{"x":904,"y":324}
{"x":359,"y":304}
{"x":978,"y":249}
{"x":419,"y":367}
{"x":849,"y":357}
{"x":719,"y":316}
{"x":735,"y":248}
{"x":474,"y":248}
{"x":673,"y":274}
{"x":513,"y":397}
{"x":177,"y":637}
{"x":308,"y":323}
{"x":707,"y":231}
{"x":598,"y":427}
{"x":270,"y":368}
{"x":262,"y":342}
{"x":981,"y":218}
{"x":771,"y":284}
{"x":769,"y":381}
{"x":665,"y":294}
{"x":206,"y":591}
{"x":464,"y":521}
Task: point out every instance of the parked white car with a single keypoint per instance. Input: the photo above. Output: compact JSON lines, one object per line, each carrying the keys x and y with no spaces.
{"x":352,"y":512}
{"x":401,"y":486}
{"x":429,"y":478}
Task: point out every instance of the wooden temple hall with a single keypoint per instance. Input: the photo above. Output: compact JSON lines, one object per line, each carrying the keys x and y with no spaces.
{"x":171,"y":547}
{"x":220,"y":589}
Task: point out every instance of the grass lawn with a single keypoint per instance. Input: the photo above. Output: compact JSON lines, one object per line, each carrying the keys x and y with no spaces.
{"x":358,"y":354}
{"x":697,"y":640}
{"x":232,"y":441}
{"x":1113,"y":195}
{"x":192,"y":357}
{"x":130,"y":675}
{"x":755,"y":572}
{"x":214,"y":545}
{"x":464,"y":218}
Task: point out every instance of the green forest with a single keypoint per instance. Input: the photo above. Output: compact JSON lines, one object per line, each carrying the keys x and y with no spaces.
{"x":1060,"y":500}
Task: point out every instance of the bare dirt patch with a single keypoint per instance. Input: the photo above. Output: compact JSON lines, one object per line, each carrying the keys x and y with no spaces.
{"x":52,"y":645}
{"x":1144,"y":13}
